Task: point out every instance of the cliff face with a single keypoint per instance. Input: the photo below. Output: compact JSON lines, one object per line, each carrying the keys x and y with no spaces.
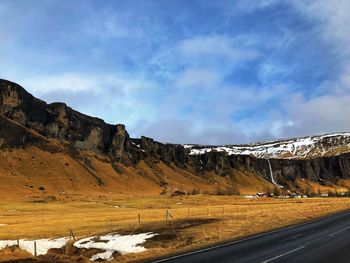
{"x":27,"y":120}
{"x":57,"y":120}
{"x":282,"y":170}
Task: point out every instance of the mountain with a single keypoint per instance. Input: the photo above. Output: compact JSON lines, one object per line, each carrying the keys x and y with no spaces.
{"x":53,"y":150}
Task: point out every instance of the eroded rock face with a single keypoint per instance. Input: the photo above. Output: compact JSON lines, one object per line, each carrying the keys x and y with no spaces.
{"x":119,"y":141}
{"x":9,"y":98}
{"x":15,"y":135}
{"x":57,"y":120}
{"x":19,"y":110}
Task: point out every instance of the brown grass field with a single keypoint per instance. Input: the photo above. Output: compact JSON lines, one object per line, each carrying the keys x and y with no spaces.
{"x":198,"y":220}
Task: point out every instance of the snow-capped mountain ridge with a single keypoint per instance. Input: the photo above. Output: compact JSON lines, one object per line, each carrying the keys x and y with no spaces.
{"x":304,"y":147}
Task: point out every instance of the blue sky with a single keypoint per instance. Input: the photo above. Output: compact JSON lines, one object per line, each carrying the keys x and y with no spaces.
{"x":214,"y":72}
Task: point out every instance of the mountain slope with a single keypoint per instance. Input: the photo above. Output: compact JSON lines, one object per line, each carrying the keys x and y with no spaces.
{"x":87,"y":155}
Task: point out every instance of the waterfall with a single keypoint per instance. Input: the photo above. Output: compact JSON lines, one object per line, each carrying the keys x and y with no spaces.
{"x":271,"y":173}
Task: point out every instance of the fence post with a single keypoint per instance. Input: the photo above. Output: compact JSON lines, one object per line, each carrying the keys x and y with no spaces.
{"x":139,"y":218}
{"x":35,"y":254}
{"x":17,"y":242}
{"x":168,"y":215}
{"x":71,"y":234}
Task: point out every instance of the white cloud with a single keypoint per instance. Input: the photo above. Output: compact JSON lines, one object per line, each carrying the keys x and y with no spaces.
{"x":248,"y":6}
{"x":108,"y":25}
{"x":201,"y":78}
{"x":117,"y":98}
{"x":67,"y":82}
{"x":328,"y":109}
{"x":205,"y":116}
{"x":176,"y":130}
{"x":217,"y":53}
{"x":333,"y":18}
{"x":82,"y":82}
{"x":325,"y":114}
{"x":215,"y":46}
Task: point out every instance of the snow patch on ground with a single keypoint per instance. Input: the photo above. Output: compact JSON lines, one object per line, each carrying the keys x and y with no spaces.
{"x":114,"y":243}
{"x":110,"y":244}
{"x":42,"y":245}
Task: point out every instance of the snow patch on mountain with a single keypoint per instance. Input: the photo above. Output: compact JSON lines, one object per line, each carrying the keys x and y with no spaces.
{"x":315,"y":146}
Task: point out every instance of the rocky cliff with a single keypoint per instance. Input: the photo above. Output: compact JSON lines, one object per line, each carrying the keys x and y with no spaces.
{"x":281,"y":171}
{"x":57,"y":120}
{"x":26,"y":120}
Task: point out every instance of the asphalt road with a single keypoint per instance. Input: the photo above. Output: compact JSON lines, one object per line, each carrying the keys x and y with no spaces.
{"x":325,"y":240}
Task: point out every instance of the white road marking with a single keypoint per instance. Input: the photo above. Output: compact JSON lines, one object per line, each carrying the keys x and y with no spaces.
{"x":284,"y":254}
{"x":342,"y":230}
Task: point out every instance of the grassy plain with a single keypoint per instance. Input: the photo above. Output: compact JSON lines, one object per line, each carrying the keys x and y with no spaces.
{"x":197,"y":221}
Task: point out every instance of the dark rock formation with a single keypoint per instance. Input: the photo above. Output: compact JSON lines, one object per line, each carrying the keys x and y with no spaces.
{"x":57,"y":120}
{"x":14,"y":135}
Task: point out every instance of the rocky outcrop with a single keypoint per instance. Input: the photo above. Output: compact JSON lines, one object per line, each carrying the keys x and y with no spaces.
{"x":57,"y":120}
{"x":25,"y":120}
{"x":152,"y":151}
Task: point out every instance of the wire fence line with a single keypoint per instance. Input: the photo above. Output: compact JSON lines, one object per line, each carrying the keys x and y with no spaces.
{"x":306,"y":209}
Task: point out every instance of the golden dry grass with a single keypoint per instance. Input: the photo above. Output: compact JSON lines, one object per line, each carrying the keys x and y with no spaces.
{"x":232,"y":217}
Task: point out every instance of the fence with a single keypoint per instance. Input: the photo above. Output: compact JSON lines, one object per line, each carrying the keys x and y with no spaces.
{"x":241,"y":211}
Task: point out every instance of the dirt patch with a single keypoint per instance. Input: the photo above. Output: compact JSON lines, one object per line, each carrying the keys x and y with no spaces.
{"x":174,"y":232}
{"x":87,"y":253}
{"x":71,"y":250}
{"x":13,"y":252}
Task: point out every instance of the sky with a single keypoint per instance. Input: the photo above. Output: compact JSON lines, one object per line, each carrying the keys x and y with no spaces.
{"x":209,"y":72}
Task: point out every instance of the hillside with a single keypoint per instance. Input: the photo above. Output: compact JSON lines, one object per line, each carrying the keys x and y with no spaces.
{"x":52,"y":151}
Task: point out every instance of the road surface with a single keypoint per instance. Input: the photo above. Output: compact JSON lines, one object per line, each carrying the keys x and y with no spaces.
{"x":325,"y":240}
